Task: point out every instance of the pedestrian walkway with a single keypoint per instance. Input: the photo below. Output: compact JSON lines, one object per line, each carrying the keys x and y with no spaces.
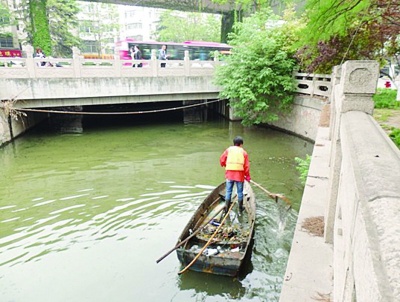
{"x":309,"y":273}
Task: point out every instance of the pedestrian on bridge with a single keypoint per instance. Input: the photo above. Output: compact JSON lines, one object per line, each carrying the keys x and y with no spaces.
{"x":136,"y":54}
{"x":162,"y":54}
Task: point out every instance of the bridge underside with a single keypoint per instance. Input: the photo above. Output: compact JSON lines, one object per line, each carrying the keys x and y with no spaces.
{"x":204,"y":6}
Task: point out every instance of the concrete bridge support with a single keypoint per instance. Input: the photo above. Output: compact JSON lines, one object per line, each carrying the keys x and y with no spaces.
{"x":11,"y":126}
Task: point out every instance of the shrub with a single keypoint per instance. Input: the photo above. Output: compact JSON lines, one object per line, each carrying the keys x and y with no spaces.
{"x":257,"y":78}
{"x":386,"y":98}
{"x":303,"y":166}
{"x":395,"y":136}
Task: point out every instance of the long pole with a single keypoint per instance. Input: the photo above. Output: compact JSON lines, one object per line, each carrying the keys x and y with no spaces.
{"x":208,"y":242}
{"x":187,"y":239}
{"x":273,"y":195}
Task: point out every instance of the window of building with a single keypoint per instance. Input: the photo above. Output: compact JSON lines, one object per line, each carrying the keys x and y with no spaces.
{"x":85,"y":28}
{"x":130,"y":14}
{"x":4,"y":20}
{"x":90,"y":47}
{"x":6,"y":42}
{"x":134,"y":26}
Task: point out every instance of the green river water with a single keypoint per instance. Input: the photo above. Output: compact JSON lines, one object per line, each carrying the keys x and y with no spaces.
{"x":84,"y":217}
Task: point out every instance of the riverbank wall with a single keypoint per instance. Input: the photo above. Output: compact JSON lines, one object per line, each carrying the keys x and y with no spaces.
{"x":12,"y":126}
{"x":352,"y":185}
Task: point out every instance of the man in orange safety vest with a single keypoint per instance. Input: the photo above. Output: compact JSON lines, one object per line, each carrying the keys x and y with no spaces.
{"x":237,"y":169}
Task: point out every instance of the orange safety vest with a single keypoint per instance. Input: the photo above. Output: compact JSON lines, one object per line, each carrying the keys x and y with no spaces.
{"x":235,"y":159}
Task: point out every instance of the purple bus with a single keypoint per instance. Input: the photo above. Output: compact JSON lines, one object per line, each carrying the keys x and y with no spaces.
{"x":198,"y":50}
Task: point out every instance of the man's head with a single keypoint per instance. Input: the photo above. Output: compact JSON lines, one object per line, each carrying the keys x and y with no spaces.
{"x":238,"y":141}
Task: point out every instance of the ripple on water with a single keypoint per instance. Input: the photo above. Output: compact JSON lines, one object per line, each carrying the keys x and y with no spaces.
{"x":62,"y":229}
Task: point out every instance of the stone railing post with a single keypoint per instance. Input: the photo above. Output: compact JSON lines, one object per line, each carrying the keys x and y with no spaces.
{"x":30,"y":62}
{"x":76,"y":61}
{"x":154,"y":62}
{"x":352,"y":90}
{"x":358,"y":84}
{"x":117,"y":63}
{"x":186,"y":62}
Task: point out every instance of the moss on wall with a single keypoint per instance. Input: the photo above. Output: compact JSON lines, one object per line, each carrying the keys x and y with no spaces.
{"x":40,"y":25}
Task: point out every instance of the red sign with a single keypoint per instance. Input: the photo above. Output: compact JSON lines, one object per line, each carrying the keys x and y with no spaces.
{"x":10,"y":53}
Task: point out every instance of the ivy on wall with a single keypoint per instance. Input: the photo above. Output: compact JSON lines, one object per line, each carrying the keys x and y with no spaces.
{"x":40,"y":25}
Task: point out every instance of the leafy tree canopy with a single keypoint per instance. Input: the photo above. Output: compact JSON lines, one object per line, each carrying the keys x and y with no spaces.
{"x":257,"y":78}
{"x":340,"y":30}
{"x":60,"y":18}
{"x":5,"y":18}
{"x":62,"y":22}
{"x":179,"y":27}
{"x":101,"y":25}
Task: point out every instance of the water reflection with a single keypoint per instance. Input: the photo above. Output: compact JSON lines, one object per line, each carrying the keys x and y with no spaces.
{"x":207,"y":285}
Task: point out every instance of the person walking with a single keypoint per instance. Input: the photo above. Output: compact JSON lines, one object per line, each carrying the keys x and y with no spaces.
{"x":237,"y":169}
{"x":162,"y":54}
{"x":136,"y":54}
{"x":40,"y":54}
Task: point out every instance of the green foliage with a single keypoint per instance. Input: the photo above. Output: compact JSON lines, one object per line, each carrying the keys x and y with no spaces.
{"x":251,"y":6}
{"x":180,"y":27}
{"x":386,"y":98}
{"x":303,"y":166}
{"x":257,"y":78}
{"x":63,"y":21}
{"x":5,"y":16}
{"x":333,"y":17}
{"x":338,"y":31}
{"x":103,"y":22}
{"x":40,"y":26}
{"x":395,"y":136}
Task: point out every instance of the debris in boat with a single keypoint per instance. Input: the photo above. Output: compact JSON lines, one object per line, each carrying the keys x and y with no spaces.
{"x":210,"y":252}
{"x":215,"y":222}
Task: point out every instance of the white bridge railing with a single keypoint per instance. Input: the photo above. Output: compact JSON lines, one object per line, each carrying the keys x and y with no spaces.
{"x":78,"y":67}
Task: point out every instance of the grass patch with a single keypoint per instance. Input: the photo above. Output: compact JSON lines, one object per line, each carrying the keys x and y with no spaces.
{"x":386,"y":98}
{"x":395,"y":136}
{"x":383,"y":114}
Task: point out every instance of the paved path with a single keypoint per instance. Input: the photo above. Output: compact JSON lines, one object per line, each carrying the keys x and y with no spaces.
{"x":309,"y":273}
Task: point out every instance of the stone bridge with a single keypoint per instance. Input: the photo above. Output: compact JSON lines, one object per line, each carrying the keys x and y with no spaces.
{"x":84,"y":82}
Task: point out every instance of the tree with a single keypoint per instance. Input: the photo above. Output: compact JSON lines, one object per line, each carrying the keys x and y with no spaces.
{"x":63,"y":22}
{"x":5,"y":21}
{"x":179,"y":27}
{"x":59,"y":19}
{"x":348,"y":30}
{"x":39,"y":23}
{"x":101,"y":25}
{"x":257,"y":78}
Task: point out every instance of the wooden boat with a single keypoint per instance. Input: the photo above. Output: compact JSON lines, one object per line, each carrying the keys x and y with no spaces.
{"x":226,"y":251}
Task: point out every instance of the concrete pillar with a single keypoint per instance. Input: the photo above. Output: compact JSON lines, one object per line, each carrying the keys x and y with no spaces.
{"x":186,"y":61}
{"x":117,"y":62}
{"x":30,"y":62}
{"x":76,"y":53}
{"x":154,"y":62}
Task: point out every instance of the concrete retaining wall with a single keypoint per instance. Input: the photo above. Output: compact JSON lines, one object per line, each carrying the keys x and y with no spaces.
{"x":303,"y":119}
{"x":17,"y":127}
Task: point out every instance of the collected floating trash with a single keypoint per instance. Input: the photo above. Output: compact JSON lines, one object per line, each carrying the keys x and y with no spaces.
{"x":215,"y":222}
{"x":210,"y":252}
